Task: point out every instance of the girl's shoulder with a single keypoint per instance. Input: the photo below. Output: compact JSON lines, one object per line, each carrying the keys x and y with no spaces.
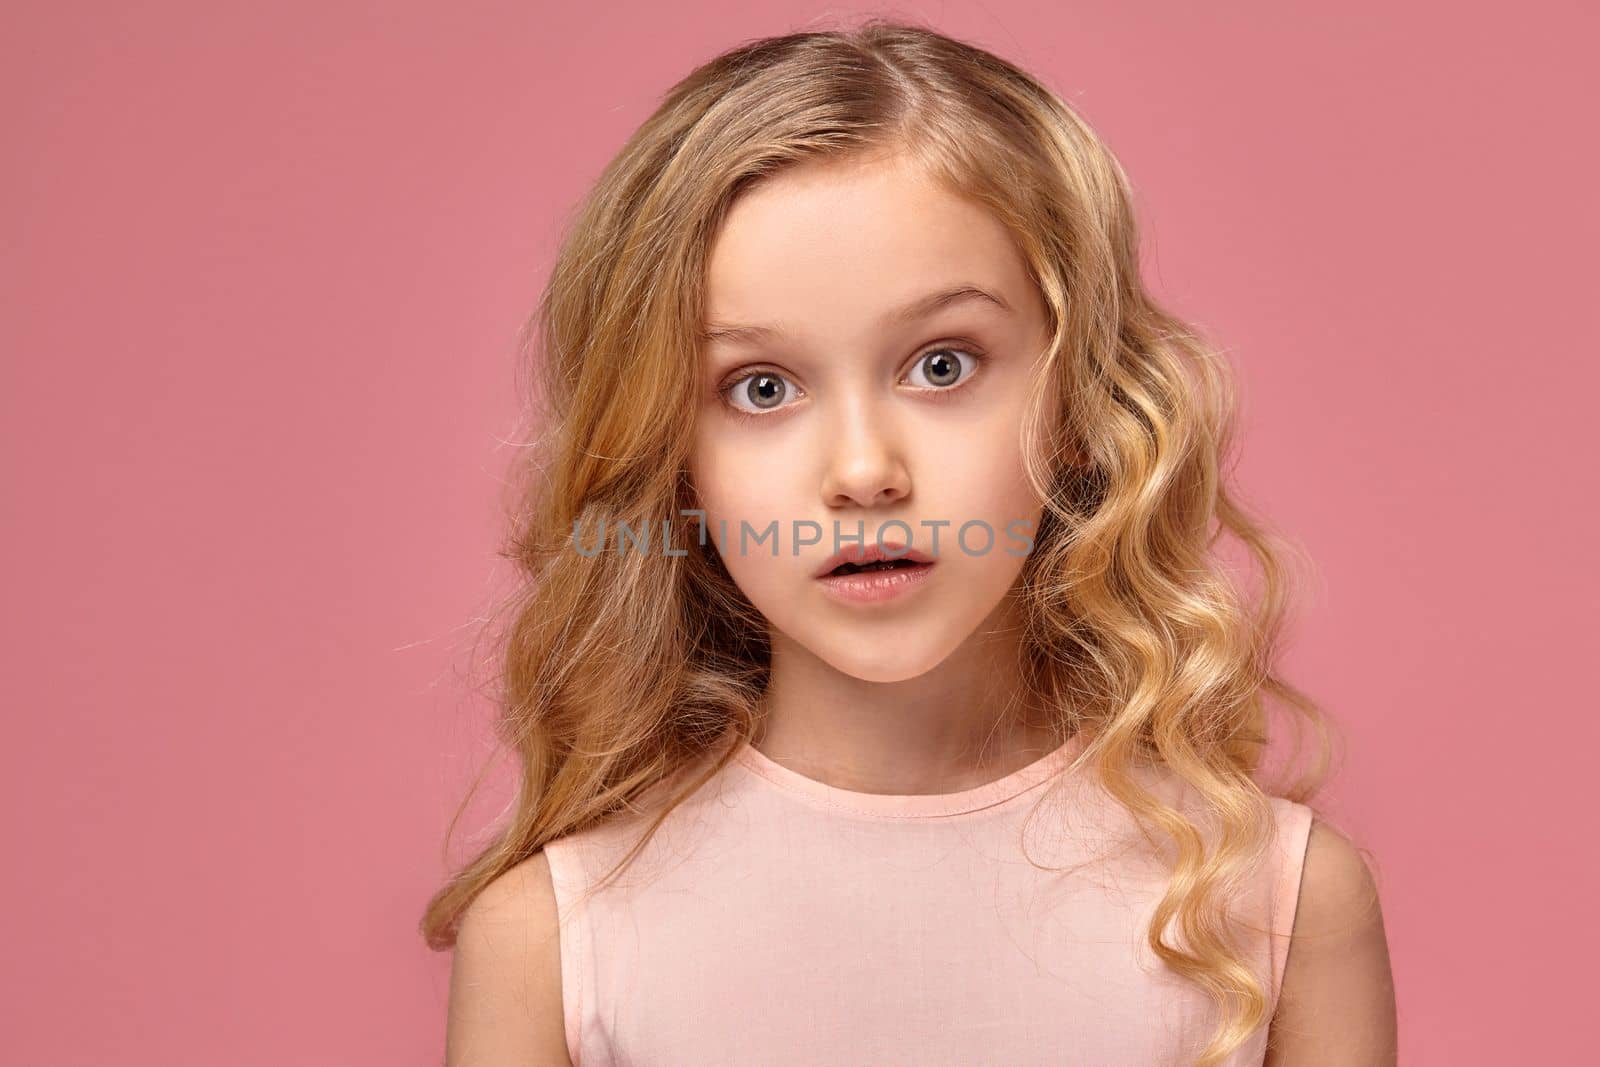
{"x":1337,"y":989}
{"x":506,"y":976}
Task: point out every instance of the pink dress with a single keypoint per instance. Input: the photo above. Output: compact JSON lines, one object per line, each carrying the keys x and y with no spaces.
{"x":776,"y":920}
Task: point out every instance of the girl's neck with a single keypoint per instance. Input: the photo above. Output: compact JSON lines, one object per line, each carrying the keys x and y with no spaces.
{"x":962,"y":724}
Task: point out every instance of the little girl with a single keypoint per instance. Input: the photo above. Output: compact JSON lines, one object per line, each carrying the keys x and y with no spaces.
{"x":879,"y":696}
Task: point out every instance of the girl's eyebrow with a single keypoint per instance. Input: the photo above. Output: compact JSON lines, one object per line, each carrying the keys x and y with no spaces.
{"x":919,"y":308}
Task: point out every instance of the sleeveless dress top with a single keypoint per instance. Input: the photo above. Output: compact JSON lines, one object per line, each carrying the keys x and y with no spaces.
{"x":776,"y":920}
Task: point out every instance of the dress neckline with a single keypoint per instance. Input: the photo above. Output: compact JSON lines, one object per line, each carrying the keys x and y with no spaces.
{"x":911,"y":805}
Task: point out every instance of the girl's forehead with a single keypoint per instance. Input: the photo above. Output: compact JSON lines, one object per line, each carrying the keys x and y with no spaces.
{"x":854,"y":243}
{"x":829,"y":218}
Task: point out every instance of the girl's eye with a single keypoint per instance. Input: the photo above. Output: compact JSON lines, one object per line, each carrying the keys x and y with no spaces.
{"x":757,"y":393}
{"x":941,"y":368}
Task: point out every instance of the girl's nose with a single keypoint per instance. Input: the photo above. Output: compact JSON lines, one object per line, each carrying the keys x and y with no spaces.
{"x":865,"y":462}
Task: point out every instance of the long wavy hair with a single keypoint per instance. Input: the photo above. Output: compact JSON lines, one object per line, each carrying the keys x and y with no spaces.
{"x":617,"y":670}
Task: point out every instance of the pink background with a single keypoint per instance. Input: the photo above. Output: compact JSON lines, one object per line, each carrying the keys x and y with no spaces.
{"x":261,"y":277}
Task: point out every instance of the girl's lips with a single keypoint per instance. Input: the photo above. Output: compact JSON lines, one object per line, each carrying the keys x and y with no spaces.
{"x":872,"y":587}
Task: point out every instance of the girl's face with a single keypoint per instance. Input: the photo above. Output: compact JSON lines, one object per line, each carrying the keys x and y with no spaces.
{"x":859,"y":398}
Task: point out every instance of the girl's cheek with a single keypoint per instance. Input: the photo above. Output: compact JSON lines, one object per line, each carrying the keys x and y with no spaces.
{"x":743,"y":483}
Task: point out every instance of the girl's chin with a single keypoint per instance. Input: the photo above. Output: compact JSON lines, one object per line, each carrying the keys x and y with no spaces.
{"x":883,"y":674}
{"x":882,"y":658}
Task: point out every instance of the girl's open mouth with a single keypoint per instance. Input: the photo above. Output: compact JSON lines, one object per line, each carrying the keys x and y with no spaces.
{"x":877,"y":565}
{"x":875,"y":582}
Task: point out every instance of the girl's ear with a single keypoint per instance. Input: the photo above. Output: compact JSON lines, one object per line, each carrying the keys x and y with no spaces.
{"x":1073,"y":458}
{"x":1074,"y":468}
